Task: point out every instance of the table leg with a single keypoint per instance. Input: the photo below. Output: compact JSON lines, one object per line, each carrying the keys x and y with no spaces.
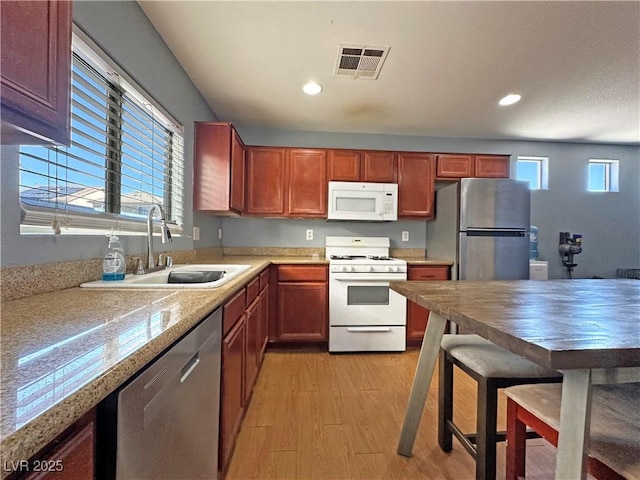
{"x":575,"y":419}
{"x":421,"y":381}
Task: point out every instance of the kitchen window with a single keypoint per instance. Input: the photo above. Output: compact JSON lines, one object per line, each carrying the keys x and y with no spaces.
{"x":603,"y":175}
{"x":126,"y":154}
{"x":535,"y":170}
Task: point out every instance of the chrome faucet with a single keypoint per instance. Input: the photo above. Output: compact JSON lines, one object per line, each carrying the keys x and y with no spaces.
{"x":164,"y":231}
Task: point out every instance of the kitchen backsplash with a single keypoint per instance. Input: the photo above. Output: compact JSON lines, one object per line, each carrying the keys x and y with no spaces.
{"x":24,"y":281}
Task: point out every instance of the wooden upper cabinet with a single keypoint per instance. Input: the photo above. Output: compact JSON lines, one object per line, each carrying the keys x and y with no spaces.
{"x":237,"y":172}
{"x":307,"y":186}
{"x":359,"y":166}
{"x":36,"y":72}
{"x":379,"y":167}
{"x":416,"y":184}
{"x":344,"y":165}
{"x":492,"y":166}
{"x":218,"y":178}
{"x":265,"y":181}
{"x":454,"y":166}
{"x":478,"y":166}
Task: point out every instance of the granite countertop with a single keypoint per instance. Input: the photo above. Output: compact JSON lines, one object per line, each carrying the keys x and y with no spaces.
{"x":63,"y":352}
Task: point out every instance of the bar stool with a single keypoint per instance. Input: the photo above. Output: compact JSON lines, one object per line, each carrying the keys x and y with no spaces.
{"x":492,"y":368}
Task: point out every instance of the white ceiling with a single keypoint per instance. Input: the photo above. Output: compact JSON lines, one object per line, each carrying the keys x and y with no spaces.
{"x":576,"y":65}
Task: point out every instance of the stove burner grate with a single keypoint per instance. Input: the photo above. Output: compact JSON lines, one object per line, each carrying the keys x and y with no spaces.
{"x":346,"y":257}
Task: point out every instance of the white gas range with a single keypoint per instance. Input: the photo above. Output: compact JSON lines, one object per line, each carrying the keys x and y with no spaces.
{"x":364,"y":313}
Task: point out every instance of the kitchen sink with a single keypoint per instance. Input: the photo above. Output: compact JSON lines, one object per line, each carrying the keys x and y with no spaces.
{"x":177,"y":276}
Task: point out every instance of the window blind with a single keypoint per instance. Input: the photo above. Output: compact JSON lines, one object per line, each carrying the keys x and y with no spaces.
{"x":125,"y":155}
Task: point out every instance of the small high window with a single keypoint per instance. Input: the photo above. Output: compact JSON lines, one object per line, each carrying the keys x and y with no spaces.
{"x":535,"y":170}
{"x":603,"y":175}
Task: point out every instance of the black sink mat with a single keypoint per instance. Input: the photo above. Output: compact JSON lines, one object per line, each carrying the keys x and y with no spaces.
{"x":195,"y":277}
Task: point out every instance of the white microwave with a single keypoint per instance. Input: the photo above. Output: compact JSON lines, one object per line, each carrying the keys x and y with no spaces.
{"x":371,"y":202}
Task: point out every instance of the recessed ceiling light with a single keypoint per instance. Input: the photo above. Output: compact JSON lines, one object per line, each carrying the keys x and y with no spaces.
{"x":312,"y":88}
{"x":510,"y":99}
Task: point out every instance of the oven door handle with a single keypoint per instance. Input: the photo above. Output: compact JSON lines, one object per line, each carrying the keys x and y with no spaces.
{"x":355,"y":277}
{"x":368,"y":329}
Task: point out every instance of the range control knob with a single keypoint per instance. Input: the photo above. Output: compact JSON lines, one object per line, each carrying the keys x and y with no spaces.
{"x":371,"y":269}
{"x":393,"y":269}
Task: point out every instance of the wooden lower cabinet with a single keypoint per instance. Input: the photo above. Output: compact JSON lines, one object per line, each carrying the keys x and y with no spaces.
{"x":245,"y":334}
{"x":417,"y":316}
{"x":253,"y":330}
{"x":301,"y":306}
{"x":263,"y":330}
{"x":232,"y":397}
{"x":71,"y":456}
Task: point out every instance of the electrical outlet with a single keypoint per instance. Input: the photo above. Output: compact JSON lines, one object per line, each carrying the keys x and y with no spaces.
{"x":309,"y":234}
{"x":219,"y":234}
{"x":196,"y":233}
{"x":405,"y":236}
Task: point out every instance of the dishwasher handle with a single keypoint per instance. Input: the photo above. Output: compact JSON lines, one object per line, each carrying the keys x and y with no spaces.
{"x":190,"y":367}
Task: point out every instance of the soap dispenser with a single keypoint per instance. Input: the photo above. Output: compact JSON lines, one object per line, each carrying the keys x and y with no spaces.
{"x":114,"y":265}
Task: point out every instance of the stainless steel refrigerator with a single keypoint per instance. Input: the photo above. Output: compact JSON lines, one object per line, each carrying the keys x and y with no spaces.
{"x":482,"y":225}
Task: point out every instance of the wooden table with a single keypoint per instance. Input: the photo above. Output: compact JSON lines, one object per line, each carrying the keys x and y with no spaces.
{"x":588,"y":329}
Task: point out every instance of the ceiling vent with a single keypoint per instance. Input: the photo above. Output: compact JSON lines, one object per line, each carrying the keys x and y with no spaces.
{"x":360,"y":61}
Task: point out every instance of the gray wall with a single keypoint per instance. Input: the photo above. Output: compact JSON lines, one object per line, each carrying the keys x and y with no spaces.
{"x":609,"y":222}
{"x":123,"y":31}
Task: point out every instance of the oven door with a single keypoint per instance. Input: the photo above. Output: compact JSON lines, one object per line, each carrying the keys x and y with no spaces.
{"x":362,"y":299}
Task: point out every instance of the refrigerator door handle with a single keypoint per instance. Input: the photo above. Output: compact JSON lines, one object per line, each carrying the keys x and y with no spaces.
{"x":495,"y":232}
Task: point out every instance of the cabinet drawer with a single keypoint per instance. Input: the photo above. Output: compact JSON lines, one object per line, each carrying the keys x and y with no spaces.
{"x":233,"y":310}
{"x":264,"y":279}
{"x":428,"y":273}
{"x":300,"y":273}
{"x":253,"y":289}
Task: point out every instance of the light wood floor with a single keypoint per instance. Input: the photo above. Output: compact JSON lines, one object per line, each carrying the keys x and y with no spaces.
{"x":319,"y":416}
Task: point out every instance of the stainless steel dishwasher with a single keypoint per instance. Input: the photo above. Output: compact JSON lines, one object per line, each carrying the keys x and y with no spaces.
{"x":164,"y":423}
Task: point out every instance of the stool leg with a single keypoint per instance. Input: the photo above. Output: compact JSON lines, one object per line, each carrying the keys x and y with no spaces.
{"x":445,"y":401}
{"x":516,"y":443}
{"x":487,"y":412}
